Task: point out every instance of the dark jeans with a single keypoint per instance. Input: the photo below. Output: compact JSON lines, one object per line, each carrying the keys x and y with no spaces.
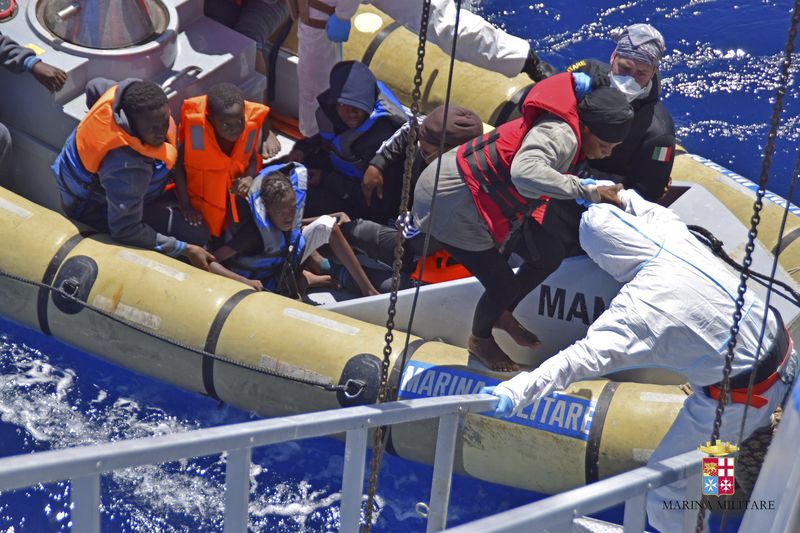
{"x":377,"y":242}
{"x":562,"y":219}
{"x":541,"y":252}
{"x":256,"y":19}
{"x":162,"y":215}
{"x":341,"y":193}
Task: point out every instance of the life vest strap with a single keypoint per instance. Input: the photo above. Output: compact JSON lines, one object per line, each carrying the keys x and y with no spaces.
{"x":511,"y":207}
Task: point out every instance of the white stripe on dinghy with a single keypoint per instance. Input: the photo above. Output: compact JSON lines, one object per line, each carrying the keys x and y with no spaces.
{"x":320,"y":321}
{"x":14,"y":209}
{"x":161,"y":268}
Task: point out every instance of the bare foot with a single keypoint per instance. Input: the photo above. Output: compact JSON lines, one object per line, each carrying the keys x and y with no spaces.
{"x":316,"y":280}
{"x":271,"y":146}
{"x":521,"y":336}
{"x":490,"y":354}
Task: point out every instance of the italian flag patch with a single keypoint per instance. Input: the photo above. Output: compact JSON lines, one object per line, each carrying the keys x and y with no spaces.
{"x":662,"y":153}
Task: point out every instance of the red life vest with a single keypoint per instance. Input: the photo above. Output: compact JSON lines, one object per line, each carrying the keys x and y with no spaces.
{"x":485,"y":162}
{"x":209,"y":171}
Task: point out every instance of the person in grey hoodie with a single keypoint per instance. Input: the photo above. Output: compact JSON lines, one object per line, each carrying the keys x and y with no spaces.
{"x":113,"y":168}
{"x":19,"y":59}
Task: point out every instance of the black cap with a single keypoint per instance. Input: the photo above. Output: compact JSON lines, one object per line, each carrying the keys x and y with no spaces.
{"x":607,"y":114}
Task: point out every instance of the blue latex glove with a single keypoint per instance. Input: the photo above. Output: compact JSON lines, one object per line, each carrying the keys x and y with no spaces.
{"x":338,"y":30}
{"x":585,"y":181}
{"x":583,"y":84}
{"x":504,"y":406}
{"x":406,"y":225}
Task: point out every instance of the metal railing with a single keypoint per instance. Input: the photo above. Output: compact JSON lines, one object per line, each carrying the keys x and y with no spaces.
{"x":558,"y":512}
{"x":84,"y":465}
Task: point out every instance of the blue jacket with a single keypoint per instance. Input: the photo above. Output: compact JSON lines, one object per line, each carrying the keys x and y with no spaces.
{"x":353,"y":84}
{"x":113,"y":199}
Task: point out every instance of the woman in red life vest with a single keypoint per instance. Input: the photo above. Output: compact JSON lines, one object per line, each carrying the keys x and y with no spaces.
{"x":490,"y":187}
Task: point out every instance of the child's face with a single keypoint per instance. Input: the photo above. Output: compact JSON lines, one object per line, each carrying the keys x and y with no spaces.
{"x":281,"y":213}
{"x":230,"y":123}
{"x":353,"y":117}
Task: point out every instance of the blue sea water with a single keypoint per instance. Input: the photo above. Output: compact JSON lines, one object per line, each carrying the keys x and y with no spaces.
{"x":719,"y":73}
{"x":719,"y":77}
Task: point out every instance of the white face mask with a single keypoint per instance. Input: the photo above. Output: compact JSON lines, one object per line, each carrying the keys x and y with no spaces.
{"x":628,"y":86}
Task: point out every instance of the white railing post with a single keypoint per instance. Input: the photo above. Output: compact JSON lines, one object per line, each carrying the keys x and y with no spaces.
{"x":85,"y":496}
{"x":443,"y":471}
{"x":237,"y":490}
{"x":693,"y":486}
{"x":355,"y":452}
{"x":635,"y":513}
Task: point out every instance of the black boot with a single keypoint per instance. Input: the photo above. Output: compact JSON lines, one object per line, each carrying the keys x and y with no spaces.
{"x":537,"y":69}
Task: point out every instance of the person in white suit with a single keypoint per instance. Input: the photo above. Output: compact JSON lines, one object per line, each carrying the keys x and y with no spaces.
{"x":674,"y":311}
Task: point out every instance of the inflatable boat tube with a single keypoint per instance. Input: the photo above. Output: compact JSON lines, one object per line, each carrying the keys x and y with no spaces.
{"x":390,"y":50}
{"x":595,"y":429}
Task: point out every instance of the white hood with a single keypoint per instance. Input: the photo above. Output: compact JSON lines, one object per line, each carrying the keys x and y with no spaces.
{"x":620,"y":242}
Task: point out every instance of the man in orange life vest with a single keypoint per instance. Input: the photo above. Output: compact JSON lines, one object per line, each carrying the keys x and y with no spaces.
{"x":489,"y":188}
{"x":258,"y":20}
{"x":217,"y":155}
{"x":113,"y":168}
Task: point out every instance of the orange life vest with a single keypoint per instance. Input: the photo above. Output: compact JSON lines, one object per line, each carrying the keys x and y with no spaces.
{"x":98,"y":133}
{"x":210,"y":171}
{"x":439,"y":267}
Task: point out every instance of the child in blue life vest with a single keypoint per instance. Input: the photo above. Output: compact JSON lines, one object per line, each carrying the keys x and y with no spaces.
{"x":270,"y":249}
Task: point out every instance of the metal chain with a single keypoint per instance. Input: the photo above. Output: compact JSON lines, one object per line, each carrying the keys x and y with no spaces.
{"x":763,"y":177}
{"x":380,"y":435}
{"x":351,"y":387}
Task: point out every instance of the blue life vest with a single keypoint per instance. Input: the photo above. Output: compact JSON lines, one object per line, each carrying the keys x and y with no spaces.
{"x":341,"y":151}
{"x":279,"y":246}
{"x":79,"y":187}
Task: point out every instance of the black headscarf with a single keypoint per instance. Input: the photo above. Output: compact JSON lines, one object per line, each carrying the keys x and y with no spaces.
{"x":606,"y":113}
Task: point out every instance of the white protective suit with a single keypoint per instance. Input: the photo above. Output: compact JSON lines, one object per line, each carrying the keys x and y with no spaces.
{"x":674,"y":311}
{"x":316,"y":55}
{"x":479,"y":43}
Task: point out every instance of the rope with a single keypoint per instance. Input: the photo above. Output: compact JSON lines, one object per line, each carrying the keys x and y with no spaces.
{"x":752,"y":452}
{"x":427,"y":242}
{"x":351,"y":387}
{"x":380,"y":436}
{"x":766,"y":163}
{"x":715,"y":245}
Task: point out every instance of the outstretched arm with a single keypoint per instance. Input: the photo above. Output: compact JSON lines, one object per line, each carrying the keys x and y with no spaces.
{"x":226,"y":252}
{"x":618,"y":338}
